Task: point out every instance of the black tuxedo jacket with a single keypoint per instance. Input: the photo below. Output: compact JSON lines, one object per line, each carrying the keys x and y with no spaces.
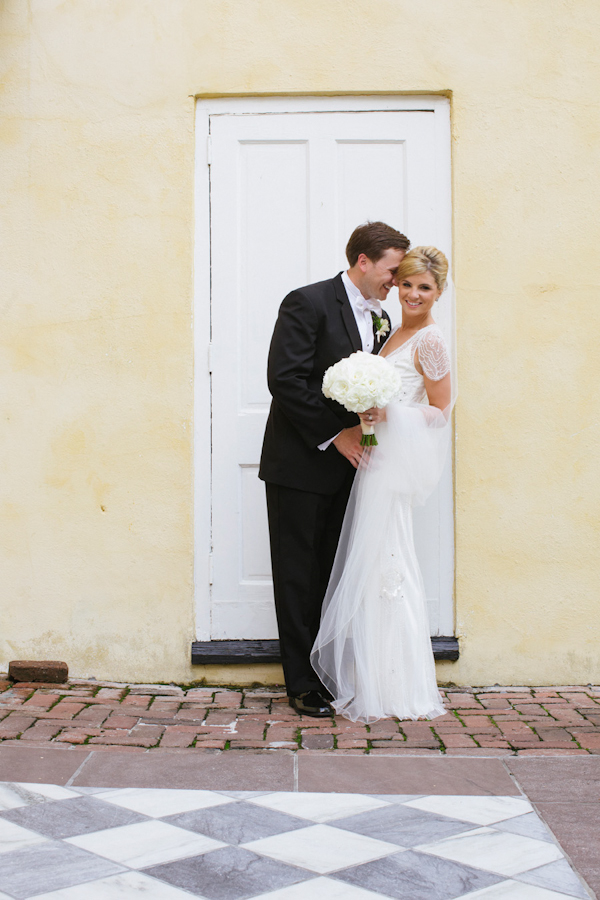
{"x":315,"y":328}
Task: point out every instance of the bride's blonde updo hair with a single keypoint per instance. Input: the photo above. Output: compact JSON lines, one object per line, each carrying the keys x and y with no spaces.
{"x":424,"y":259}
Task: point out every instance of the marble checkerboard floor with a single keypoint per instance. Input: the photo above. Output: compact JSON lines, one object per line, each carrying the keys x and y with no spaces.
{"x":60,"y":843}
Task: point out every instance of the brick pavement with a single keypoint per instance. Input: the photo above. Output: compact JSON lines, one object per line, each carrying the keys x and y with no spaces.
{"x":556,"y":721}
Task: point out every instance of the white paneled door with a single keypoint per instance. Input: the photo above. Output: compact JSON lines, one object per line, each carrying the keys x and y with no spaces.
{"x":287,"y":183}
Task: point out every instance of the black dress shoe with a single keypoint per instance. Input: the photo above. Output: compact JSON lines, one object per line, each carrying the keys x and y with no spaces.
{"x":311,"y":703}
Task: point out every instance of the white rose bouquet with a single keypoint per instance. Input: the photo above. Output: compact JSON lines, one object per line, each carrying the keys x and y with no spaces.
{"x":360,"y":382}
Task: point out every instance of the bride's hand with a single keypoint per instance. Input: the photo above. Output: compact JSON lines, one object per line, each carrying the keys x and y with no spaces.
{"x":373,"y":416}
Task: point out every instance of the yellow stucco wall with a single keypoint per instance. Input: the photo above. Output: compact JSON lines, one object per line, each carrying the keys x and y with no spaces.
{"x":97,"y":148}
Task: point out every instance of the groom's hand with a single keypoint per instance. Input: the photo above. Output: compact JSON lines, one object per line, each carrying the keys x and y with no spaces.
{"x":348,"y":444}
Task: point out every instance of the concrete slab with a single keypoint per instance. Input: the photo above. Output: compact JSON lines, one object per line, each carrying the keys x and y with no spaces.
{"x":232,"y":771}
{"x":397,"y":775}
{"x":576,"y":826}
{"x":572,"y":778}
{"x":45,"y":765}
{"x":566,"y":793}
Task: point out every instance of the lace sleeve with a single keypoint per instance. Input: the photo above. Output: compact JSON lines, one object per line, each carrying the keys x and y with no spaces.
{"x":433,"y":354}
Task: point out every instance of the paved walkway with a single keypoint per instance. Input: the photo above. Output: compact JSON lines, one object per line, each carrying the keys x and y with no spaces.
{"x":105,"y":844}
{"x":489,"y":722}
{"x":246,"y":751}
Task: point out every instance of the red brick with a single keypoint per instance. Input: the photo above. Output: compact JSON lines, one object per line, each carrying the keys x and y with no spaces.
{"x":477,"y":721}
{"x":192,"y":714}
{"x":216,"y":717}
{"x":461,"y":701}
{"x":137,"y":701}
{"x":41,"y":701}
{"x":116,"y":721}
{"x":493,"y":743}
{"x":63,"y":710}
{"x":387,"y":726}
{"x":206,"y":742}
{"x":589,"y":740}
{"x":227,"y":699}
{"x":77,"y":735}
{"x":49,"y":671}
{"x":351,"y":743}
{"x":200,"y":694}
{"x":92,"y":715}
{"x":249,"y":734}
{"x":395,"y":750}
{"x":16,"y":723}
{"x":553,"y":734}
{"x":109,"y":694}
{"x":519,"y":744}
{"x":542,"y":751}
{"x":478,"y":751}
{"x":494,"y":704}
{"x":281,"y":733}
{"x":451,"y":740}
{"x":140,"y":736}
{"x":41,"y":732}
{"x":317,"y":741}
{"x":178,"y":736}
{"x":241,"y":744}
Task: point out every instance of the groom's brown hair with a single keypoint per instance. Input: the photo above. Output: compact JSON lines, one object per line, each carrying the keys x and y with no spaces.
{"x":373,"y":239}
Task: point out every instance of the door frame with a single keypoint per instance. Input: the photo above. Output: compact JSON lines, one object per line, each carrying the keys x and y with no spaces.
{"x":201,"y":313}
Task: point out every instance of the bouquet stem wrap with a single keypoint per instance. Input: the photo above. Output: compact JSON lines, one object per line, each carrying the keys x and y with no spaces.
{"x":368,"y":438}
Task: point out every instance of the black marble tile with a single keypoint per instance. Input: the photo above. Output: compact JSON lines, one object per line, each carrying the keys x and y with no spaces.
{"x":67,"y":818}
{"x":403,"y":825}
{"x":231,"y":873}
{"x":415,"y":876}
{"x":49,"y":867}
{"x":237,"y":823}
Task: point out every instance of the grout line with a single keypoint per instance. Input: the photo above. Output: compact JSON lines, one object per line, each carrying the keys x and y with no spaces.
{"x":295,"y":772}
{"x":76,"y":773}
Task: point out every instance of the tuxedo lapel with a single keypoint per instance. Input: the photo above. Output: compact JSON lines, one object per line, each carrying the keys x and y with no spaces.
{"x":347,"y":314}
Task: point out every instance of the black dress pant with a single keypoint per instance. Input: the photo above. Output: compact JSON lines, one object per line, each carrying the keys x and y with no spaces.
{"x":304,"y":530}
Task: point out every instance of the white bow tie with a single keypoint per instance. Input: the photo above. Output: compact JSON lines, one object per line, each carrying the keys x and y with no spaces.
{"x":371,"y":305}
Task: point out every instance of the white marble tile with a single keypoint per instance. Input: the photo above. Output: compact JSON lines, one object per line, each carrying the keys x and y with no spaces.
{"x":479,"y":810}
{"x":91,"y":790}
{"x":244,"y":795}
{"x":13,"y":837}
{"x":495,"y":851}
{"x":529,"y":825}
{"x":557,"y":876}
{"x":321,"y":848}
{"x":320,"y":807}
{"x":319,"y":889}
{"x":158,"y":802}
{"x":13,"y":796}
{"x":127,"y":886}
{"x":49,"y":791}
{"x":512,"y":890}
{"x":145,"y":844}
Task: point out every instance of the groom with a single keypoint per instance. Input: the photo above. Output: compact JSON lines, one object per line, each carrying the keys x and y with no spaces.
{"x":312,"y":446}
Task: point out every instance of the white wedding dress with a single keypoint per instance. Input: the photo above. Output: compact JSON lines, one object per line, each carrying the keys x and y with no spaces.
{"x":373,"y":650}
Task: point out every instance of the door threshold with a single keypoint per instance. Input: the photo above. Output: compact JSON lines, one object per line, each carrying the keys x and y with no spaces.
{"x":226,"y":653}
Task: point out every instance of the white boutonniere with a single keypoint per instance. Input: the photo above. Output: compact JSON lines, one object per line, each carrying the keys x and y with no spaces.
{"x":382,"y":326}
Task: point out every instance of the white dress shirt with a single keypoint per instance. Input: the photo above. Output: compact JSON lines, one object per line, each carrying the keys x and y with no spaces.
{"x":364,"y":322}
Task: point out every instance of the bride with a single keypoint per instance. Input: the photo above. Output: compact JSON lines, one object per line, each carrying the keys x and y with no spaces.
{"x":373,"y":650}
